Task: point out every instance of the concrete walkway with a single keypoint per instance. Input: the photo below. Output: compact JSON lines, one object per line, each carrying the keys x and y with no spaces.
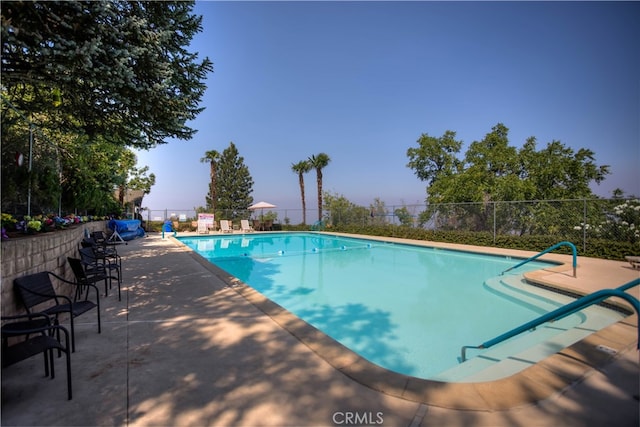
{"x":184,"y":349}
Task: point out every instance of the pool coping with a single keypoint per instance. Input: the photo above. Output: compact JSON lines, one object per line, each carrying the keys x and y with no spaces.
{"x":542,"y":380}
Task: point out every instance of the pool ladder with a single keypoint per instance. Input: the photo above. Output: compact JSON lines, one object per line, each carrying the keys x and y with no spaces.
{"x":561,"y":312}
{"x":549,"y":249}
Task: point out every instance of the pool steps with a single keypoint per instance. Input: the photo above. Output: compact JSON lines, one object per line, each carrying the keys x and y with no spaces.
{"x":581,"y":303}
{"x":531,"y":347}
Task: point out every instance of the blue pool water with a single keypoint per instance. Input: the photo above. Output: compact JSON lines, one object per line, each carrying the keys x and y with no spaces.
{"x":407,"y":308}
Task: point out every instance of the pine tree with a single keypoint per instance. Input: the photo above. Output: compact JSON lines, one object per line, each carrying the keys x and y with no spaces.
{"x":120,"y":69}
{"x":234,"y":184}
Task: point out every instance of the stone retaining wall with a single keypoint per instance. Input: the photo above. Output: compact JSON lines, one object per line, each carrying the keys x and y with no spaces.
{"x":42,"y":252}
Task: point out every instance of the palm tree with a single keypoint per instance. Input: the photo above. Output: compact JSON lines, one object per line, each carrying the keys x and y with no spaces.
{"x":318,"y":162}
{"x":212,"y":158}
{"x":301,"y":168}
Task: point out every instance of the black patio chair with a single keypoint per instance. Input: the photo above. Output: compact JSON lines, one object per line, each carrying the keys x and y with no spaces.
{"x":99,"y":237}
{"x":97,"y":265}
{"x":93,"y":267}
{"x":38,"y":333}
{"x":36,"y":289}
{"x":103,"y":249}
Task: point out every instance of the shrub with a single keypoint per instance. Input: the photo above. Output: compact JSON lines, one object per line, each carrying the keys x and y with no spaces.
{"x":597,"y":248}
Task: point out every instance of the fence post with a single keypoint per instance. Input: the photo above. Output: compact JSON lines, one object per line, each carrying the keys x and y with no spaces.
{"x":30,"y":168}
{"x":494,"y":222}
{"x":584,"y":228}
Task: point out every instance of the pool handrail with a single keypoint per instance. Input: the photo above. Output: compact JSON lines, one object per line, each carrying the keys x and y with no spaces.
{"x":318,"y":226}
{"x":565,"y":310}
{"x":549,"y":249}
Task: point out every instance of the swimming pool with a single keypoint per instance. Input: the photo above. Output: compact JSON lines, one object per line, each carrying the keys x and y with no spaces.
{"x":407,"y":308}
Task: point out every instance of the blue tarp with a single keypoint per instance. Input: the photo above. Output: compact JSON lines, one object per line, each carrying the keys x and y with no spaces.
{"x":128,"y":229}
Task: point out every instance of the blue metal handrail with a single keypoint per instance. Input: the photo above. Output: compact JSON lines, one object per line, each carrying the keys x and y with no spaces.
{"x":564,"y":311}
{"x":318,"y":226}
{"x":549,"y":249}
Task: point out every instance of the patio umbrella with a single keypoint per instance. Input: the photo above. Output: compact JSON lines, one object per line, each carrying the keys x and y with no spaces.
{"x":262,"y":206}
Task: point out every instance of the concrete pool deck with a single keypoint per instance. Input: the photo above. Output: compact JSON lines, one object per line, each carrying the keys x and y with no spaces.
{"x":187,"y":347}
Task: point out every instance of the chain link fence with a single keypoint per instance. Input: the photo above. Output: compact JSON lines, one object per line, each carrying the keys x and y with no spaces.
{"x":577,"y":220}
{"x":282,"y":216}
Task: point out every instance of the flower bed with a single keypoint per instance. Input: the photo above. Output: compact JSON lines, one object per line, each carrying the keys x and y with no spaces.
{"x":29,"y":225}
{"x":31,"y":253}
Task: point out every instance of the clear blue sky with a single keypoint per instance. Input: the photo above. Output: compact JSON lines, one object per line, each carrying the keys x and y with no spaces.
{"x":362,"y":81}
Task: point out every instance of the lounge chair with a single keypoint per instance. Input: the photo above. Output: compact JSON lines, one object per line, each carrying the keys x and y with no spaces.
{"x":245,"y":227}
{"x":225,"y":227}
{"x":634,"y":261}
{"x":202,"y":227}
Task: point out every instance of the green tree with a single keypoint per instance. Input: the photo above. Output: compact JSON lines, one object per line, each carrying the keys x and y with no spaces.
{"x":70,"y":172}
{"x":404,"y":216}
{"x":125,"y":162}
{"x":559,"y":172}
{"x":378,"y":212}
{"x":120,"y":69}
{"x":91,"y":173}
{"x":492,"y":171}
{"x":343,"y":212}
{"x":319,"y":162}
{"x":37,"y":181}
{"x":90,"y":75}
{"x":130,"y":177}
{"x":301,"y":168}
{"x":141,"y":179}
{"x":435,"y":157}
{"x":234,"y":183}
{"x":212,"y":157}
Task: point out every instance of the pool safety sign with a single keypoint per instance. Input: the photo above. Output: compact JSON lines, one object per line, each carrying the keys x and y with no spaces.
{"x":205,"y":222}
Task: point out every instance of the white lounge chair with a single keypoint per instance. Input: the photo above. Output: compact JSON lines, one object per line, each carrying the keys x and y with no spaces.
{"x":245,"y":227}
{"x":634,"y":261}
{"x":225,"y":227}
{"x":202,"y":227}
